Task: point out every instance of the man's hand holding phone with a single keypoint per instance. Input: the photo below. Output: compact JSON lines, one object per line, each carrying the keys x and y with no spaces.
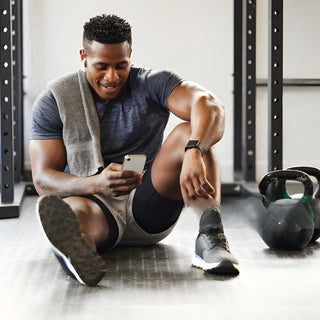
{"x":117,"y":180}
{"x":134,"y":162}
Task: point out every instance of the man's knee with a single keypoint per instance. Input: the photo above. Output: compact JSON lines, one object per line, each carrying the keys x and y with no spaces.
{"x":79,"y":205}
{"x":90,"y":216}
{"x":181,"y":132}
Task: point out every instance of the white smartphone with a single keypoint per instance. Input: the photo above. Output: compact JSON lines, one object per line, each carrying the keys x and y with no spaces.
{"x":134,"y":162}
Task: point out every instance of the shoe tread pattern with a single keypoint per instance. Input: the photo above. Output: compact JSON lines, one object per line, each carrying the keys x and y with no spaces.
{"x":61,"y":226}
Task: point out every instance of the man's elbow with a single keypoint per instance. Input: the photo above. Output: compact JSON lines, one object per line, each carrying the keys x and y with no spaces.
{"x":218,"y":117}
{"x":38,"y":183}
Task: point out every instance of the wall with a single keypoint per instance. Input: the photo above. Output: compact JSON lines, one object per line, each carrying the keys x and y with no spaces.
{"x":194,"y":38}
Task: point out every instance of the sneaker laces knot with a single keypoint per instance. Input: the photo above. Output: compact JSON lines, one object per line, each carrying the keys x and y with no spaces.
{"x":216,"y":239}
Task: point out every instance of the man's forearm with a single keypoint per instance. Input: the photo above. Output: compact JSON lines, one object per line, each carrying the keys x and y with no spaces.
{"x":63,"y":184}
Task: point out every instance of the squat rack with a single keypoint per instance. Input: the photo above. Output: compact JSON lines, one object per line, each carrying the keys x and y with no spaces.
{"x":245,"y":82}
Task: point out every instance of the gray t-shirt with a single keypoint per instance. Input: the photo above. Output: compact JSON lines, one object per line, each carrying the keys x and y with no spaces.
{"x":133,"y":122}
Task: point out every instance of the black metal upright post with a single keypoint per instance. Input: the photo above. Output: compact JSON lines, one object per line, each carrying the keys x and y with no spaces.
{"x":17,"y":89}
{"x":244,"y":72}
{"x":275,"y":84}
{"x":6,"y":104}
{"x":237,"y":88}
{"x":249,"y":90}
{"x":11,"y":96}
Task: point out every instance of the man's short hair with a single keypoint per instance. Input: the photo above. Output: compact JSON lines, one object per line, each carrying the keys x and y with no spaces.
{"x":108,"y":29}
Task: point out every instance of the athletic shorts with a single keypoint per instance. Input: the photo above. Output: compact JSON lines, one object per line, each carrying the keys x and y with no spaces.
{"x":144,"y":217}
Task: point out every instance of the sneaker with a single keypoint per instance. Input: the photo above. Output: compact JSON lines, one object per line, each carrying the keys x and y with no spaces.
{"x":212,"y":253}
{"x":62,"y":229}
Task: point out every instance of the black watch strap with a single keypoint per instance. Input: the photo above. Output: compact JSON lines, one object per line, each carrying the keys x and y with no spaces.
{"x":195,"y":144}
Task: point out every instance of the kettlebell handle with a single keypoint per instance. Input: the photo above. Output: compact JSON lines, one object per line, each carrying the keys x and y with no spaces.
{"x":295,"y":175}
{"x":311,"y":171}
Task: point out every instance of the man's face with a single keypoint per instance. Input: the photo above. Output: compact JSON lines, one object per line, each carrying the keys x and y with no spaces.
{"x":107,"y":67}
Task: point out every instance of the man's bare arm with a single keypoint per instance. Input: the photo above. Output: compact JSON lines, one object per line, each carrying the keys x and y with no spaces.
{"x":48,"y":160}
{"x":205,"y":112}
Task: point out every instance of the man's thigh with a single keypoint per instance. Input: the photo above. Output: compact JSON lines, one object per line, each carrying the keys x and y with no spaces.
{"x":153,"y":212}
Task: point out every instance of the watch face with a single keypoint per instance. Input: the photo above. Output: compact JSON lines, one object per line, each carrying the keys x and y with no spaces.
{"x":193,"y":143}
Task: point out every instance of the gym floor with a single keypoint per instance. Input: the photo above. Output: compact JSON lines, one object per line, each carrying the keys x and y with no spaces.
{"x":158,"y":282}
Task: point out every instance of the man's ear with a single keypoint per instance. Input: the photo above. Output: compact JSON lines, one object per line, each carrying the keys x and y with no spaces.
{"x":83,"y":57}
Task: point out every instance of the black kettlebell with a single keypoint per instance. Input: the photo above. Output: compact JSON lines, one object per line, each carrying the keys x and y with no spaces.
{"x":287,"y":223}
{"x":315,"y":201}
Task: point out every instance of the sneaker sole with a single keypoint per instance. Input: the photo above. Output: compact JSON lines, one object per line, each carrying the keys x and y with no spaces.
{"x":62,"y":229}
{"x":224,"y":267}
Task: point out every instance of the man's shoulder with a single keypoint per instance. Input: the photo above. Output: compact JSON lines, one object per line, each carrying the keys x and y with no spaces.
{"x":153,"y":83}
{"x":45,"y":97}
{"x":137,"y":72}
{"x":140,"y":71}
{"x":158,"y":75}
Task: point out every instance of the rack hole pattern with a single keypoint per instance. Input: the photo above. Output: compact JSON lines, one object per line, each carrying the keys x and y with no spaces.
{"x":249,"y":91}
{"x":7,"y":154}
{"x":275,"y":83}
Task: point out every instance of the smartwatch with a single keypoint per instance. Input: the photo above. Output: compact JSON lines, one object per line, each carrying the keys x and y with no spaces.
{"x":195,"y":144}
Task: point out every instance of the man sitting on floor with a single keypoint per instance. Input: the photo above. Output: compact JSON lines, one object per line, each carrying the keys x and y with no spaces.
{"x":84,"y":125}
